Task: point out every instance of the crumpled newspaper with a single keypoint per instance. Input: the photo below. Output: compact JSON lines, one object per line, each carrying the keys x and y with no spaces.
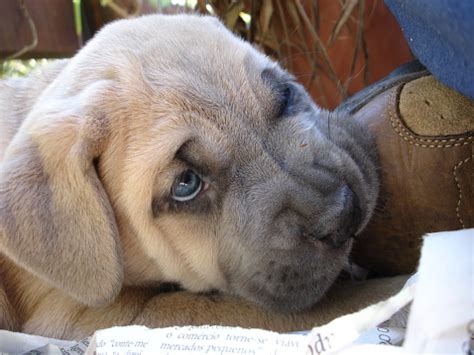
{"x":441,"y":320}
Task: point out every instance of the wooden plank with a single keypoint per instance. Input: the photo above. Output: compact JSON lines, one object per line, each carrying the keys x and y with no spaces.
{"x":54,"y":21}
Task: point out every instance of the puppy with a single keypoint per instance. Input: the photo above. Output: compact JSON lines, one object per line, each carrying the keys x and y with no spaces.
{"x":169,"y":150}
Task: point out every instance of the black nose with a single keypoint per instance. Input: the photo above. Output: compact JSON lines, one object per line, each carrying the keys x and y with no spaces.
{"x":352,"y":212}
{"x":347,"y":221}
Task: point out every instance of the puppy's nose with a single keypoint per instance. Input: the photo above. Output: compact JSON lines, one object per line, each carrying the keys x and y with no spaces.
{"x":347,"y":221}
{"x":351,"y":215}
{"x":334,"y":239}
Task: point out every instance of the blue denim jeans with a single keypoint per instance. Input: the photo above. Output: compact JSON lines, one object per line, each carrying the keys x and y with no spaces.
{"x":440,"y":34}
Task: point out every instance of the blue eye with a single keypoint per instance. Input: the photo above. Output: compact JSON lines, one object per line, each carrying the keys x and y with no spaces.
{"x":186,"y":187}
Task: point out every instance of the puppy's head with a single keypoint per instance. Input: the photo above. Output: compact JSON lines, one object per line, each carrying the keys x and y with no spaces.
{"x":179,"y":145}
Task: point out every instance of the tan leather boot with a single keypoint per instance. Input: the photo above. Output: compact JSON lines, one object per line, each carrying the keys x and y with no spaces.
{"x":425,"y":136}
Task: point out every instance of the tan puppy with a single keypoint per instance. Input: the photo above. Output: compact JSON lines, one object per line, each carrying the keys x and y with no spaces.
{"x":168,"y":150}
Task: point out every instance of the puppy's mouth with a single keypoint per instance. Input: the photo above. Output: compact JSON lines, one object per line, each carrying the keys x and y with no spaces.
{"x":295,"y":285}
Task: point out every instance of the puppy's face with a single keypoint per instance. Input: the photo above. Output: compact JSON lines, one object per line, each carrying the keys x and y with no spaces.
{"x":219,"y":168}
{"x":252,"y":188}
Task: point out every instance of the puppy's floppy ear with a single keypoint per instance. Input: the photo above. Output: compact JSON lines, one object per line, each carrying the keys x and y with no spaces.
{"x":55,"y":217}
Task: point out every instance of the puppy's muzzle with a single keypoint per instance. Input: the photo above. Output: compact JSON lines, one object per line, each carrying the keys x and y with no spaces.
{"x":348,"y":216}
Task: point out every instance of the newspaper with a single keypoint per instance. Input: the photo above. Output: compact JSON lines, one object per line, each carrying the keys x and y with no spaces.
{"x":442,"y":315}
{"x":441,"y":320}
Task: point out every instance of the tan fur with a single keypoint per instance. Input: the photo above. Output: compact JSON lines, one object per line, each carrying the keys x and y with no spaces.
{"x":93,"y":139}
{"x":49,"y":312}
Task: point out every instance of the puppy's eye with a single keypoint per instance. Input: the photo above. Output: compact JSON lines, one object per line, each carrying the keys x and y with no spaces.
{"x":187,"y":186}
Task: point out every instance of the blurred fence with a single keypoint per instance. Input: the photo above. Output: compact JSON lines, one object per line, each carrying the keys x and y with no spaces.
{"x":333,"y":47}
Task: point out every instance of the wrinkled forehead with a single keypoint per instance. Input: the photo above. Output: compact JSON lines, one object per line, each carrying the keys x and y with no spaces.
{"x":216,"y":84}
{"x":204,"y":68}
